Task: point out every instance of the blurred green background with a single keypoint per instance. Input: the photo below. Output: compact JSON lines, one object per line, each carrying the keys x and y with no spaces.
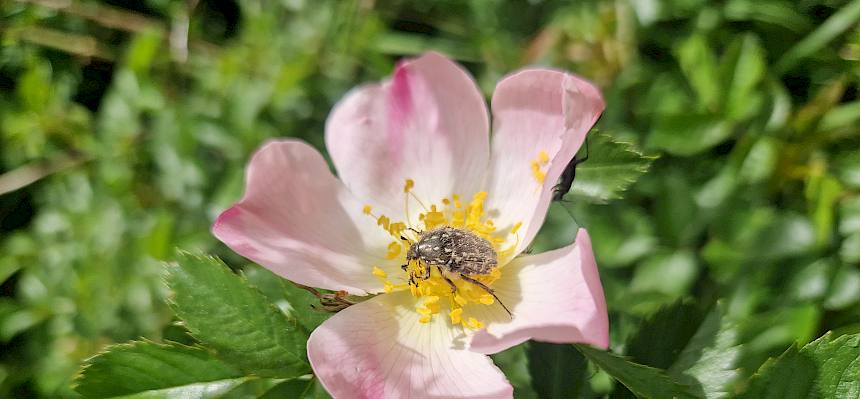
{"x":125,"y":127}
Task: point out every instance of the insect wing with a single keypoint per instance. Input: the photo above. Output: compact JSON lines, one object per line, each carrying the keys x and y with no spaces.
{"x":476,"y":255}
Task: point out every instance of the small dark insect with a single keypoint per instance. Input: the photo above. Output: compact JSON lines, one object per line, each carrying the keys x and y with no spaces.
{"x":567,"y":176}
{"x":454,"y":250}
{"x":333,"y":303}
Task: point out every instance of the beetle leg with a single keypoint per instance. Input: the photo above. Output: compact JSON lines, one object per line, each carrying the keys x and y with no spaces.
{"x":489,"y":291}
{"x":451,"y":283}
{"x":426,"y":271}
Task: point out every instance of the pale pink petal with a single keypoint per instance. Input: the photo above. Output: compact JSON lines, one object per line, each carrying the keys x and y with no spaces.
{"x":378,"y":349}
{"x":299,"y":221}
{"x":535,"y":111}
{"x":555,"y":296}
{"x":428,"y":123}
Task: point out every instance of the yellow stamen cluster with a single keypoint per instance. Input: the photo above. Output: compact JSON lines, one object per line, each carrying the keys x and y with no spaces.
{"x":537,"y":166}
{"x":435,"y":294}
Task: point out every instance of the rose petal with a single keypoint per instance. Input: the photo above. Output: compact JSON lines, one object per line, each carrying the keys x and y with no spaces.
{"x":378,"y":349}
{"x":428,"y":123}
{"x":535,"y":111}
{"x":300,"y":222}
{"x":555,"y":296}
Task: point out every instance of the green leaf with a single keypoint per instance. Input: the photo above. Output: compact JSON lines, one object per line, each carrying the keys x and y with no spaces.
{"x":825,"y":368}
{"x":661,"y":337}
{"x":292,"y":299}
{"x":841,"y":116}
{"x":839,"y":22}
{"x":686,"y":134}
{"x":611,"y":168}
{"x":650,"y":275}
{"x":143,"y":369}
{"x":744,"y":68}
{"x":252,"y":388}
{"x":302,"y":305}
{"x":761,"y":161}
{"x":823,"y":193}
{"x":557,"y":371}
{"x":643,"y":381}
{"x":296,"y":388}
{"x":844,"y":289}
{"x":620,"y":234}
{"x":849,"y":211}
{"x":225,"y":313}
{"x":711,"y":355}
{"x":847,"y":168}
{"x":777,"y":12}
{"x":699,"y":65}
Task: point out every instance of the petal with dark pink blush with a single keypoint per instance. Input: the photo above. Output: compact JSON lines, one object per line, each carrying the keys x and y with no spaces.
{"x":428,"y":123}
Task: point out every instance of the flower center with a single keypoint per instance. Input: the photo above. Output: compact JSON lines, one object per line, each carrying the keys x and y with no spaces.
{"x":439,"y":282}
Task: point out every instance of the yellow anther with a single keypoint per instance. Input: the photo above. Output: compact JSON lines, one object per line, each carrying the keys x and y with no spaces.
{"x":383,"y":221}
{"x":543,"y":157}
{"x":393,"y":250}
{"x":432,"y":293}
{"x":538,"y":174}
{"x":495,"y":274}
{"x":396,"y":228}
{"x":456,"y":315}
{"x":474,"y":324}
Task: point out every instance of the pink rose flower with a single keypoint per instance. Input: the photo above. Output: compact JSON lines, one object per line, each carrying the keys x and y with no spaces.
{"x":414,"y":153}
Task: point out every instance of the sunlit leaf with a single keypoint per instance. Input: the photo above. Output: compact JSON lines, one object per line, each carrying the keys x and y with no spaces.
{"x":143,"y":369}
{"x":644,"y":381}
{"x":225,"y":313}
{"x":711,"y":356}
{"x":828,"y":367}
{"x":612,"y":166}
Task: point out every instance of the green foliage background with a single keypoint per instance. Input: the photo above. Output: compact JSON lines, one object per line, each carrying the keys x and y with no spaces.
{"x":125,"y":127}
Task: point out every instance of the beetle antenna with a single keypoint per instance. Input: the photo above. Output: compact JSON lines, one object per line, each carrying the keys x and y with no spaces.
{"x":488,"y":290}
